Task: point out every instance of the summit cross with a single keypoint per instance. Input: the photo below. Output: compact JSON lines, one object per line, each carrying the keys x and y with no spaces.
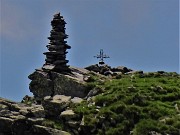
{"x":101,"y":56}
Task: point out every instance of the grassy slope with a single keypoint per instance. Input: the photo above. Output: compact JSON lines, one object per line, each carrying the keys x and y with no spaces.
{"x":142,"y":104}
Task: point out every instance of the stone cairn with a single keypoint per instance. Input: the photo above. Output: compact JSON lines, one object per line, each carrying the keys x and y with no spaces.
{"x":56,"y":57}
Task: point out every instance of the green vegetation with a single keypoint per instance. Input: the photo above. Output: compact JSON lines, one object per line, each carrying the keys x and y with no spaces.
{"x":138,"y":103}
{"x":53,"y":123}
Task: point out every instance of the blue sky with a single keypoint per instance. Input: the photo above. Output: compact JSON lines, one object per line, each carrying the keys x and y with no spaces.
{"x":139,"y":34}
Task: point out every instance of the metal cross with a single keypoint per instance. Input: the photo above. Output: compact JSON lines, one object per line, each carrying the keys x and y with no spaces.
{"x":101,"y":56}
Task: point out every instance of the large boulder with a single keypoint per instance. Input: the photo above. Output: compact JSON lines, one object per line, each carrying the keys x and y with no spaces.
{"x":69,"y":85}
{"x":53,"y":83}
{"x":41,"y":84}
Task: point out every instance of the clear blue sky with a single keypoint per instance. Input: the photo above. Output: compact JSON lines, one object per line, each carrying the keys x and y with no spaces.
{"x":139,"y":34}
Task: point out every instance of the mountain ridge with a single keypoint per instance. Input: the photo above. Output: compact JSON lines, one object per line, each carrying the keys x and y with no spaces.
{"x":115,"y":101}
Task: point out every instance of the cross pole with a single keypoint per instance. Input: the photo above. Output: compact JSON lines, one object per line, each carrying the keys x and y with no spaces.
{"x":101,"y":56}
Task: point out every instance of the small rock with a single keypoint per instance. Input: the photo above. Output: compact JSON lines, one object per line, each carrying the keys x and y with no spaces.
{"x":76,"y":100}
{"x":38,"y":111}
{"x":61,"y":98}
{"x":154,"y":133}
{"x":5,"y":113}
{"x":107,"y":73}
{"x":82,"y":121}
{"x":47,"y":98}
{"x":55,"y":106}
{"x":35,"y":120}
{"x":68,"y":114}
{"x":3,"y":107}
{"x":73,"y":124}
{"x":23,"y":112}
{"x":18,"y":117}
{"x":132,"y":89}
{"x":87,"y":78}
{"x":94,"y":92}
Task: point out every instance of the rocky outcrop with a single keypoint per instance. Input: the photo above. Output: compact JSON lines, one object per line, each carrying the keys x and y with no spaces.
{"x":23,"y":119}
{"x":69,"y":85}
{"x":53,"y":83}
{"x":55,"y":77}
{"x":30,"y":119}
{"x":107,"y":70}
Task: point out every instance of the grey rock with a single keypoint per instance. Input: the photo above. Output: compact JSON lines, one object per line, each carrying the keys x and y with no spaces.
{"x":68,"y":115}
{"x":94,"y":68}
{"x":132,"y":89}
{"x":54,"y":106}
{"x":135,"y":72}
{"x":57,"y":47}
{"x":48,"y":67}
{"x":121,"y":69}
{"x":154,"y":133}
{"x":38,"y":111}
{"x":76,"y":100}
{"x":82,"y":121}
{"x":3,"y":107}
{"x":48,"y":131}
{"x":87,"y":78}
{"x":69,"y":85}
{"x":35,"y":121}
{"x":41,"y":85}
{"x":61,"y":98}
{"x":53,"y":83}
{"x":22,"y":119}
{"x":94,"y":92}
{"x":107,"y":73}
{"x":79,"y":70}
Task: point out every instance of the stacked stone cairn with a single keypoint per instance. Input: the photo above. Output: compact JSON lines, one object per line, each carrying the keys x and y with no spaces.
{"x":56,"y":77}
{"x":56,"y":57}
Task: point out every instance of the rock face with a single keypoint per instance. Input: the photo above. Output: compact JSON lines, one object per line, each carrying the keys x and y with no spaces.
{"x":22,"y":119}
{"x":53,"y":83}
{"x":69,"y":85}
{"x":33,"y":119}
{"x":41,"y":84}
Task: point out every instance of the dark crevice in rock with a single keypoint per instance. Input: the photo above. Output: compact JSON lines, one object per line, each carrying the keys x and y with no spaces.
{"x":51,"y":78}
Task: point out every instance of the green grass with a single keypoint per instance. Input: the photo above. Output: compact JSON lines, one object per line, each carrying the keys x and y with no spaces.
{"x":139,"y":105}
{"x":52,"y":123}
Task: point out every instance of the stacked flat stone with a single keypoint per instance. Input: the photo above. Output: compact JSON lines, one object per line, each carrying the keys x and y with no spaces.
{"x":56,"y":57}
